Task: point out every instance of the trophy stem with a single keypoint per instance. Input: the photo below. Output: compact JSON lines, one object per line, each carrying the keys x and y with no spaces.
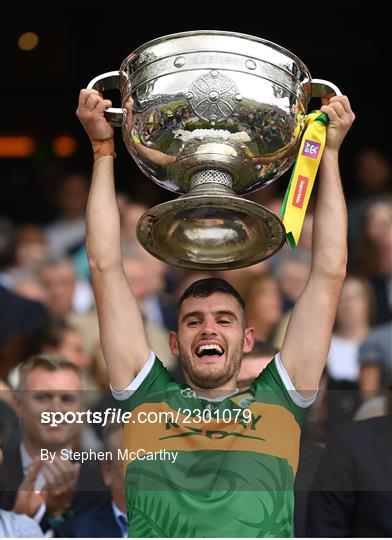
{"x":212,"y":176}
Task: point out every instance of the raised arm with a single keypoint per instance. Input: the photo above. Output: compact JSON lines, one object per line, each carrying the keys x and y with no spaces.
{"x":121,"y":326}
{"x":308,"y":335}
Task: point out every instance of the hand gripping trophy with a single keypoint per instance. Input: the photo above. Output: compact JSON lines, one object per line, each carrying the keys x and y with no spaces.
{"x":213,"y":116}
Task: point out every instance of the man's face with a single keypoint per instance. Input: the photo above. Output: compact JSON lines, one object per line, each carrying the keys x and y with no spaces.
{"x":211,"y":340}
{"x":60,"y":283}
{"x":49,"y":391}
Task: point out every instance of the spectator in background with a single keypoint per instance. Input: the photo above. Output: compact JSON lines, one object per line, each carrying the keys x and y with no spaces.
{"x":373,"y":258}
{"x":67,"y":233}
{"x":352,"y":492}
{"x":13,"y":525}
{"x":108,"y":519}
{"x":264,"y":305}
{"x":292,"y":274}
{"x":375,"y":359}
{"x":145,"y":276}
{"x":130,"y":215}
{"x":66,"y":293}
{"x":9,"y":425}
{"x":31,"y":248}
{"x":373,"y":177}
{"x":353,"y":320}
{"x":49,"y":383}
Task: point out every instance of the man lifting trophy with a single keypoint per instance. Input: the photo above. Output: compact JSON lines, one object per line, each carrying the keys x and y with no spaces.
{"x":212,"y":116}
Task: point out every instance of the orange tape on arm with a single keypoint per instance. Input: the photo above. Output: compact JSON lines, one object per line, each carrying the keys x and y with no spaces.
{"x":103,"y":148}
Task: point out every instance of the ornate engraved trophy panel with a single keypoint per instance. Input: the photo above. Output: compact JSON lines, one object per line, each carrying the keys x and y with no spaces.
{"x":212,"y":116}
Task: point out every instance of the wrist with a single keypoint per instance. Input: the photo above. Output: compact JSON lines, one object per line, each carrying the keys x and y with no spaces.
{"x":330,"y":153}
{"x":103,"y":148}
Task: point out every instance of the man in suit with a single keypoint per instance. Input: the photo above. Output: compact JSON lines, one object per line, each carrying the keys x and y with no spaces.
{"x":109,"y":518}
{"x":352,"y":492}
{"x":52,"y":490}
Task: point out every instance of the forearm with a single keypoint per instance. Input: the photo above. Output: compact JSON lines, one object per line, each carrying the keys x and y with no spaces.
{"x":103,"y":218}
{"x":329,"y":249}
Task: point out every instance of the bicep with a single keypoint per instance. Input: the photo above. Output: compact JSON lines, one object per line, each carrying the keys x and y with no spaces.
{"x":308,"y":336}
{"x":121,"y":326}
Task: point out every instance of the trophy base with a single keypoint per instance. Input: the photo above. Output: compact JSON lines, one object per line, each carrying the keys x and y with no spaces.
{"x":210,"y":231}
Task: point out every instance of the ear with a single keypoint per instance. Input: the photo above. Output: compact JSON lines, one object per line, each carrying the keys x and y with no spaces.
{"x":249,"y":340}
{"x":173,"y":344}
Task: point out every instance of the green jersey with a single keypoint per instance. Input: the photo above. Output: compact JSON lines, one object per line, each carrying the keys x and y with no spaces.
{"x":201,"y":468}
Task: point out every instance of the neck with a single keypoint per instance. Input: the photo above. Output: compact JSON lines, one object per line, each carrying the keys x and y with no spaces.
{"x":216,"y":392}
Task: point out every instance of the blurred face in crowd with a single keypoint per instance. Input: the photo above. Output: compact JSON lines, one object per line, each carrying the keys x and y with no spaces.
{"x":60,"y":283}
{"x":373,"y":171}
{"x":46,"y":390}
{"x":144,"y":274}
{"x":293,"y":277}
{"x":132,"y":212}
{"x":379,"y":221}
{"x":73,"y":195}
{"x":137,"y":275}
{"x":353,"y":308}
{"x":264,"y":301}
{"x":72,"y":348}
{"x":31,"y":248}
{"x":211,"y":340}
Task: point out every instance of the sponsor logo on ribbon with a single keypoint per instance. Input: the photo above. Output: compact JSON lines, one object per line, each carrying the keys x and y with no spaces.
{"x":311,"y":149}
{"x":300,"y":191}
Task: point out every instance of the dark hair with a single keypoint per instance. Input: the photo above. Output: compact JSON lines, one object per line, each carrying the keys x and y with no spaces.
{"x":49,"y":334}
{"x":208,"y":286}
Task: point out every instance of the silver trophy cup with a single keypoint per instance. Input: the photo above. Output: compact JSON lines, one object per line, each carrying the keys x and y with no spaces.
{"x":212,"y":116}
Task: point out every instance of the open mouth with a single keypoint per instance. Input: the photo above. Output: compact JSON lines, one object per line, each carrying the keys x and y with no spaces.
{"x":209,"y":350}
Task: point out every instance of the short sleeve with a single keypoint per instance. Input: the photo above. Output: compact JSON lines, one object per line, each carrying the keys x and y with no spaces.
{"x":275,"y":386}
{"x":150,"y":385}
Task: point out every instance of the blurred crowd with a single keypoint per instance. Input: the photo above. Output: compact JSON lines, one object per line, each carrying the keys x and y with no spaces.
{"x":50,"y":354}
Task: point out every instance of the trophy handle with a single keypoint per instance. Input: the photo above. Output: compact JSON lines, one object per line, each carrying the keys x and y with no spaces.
{"x":321,"y":88}
{"x":109,"y":81}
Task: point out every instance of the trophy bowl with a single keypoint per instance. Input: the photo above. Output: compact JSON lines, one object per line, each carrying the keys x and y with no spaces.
{"x":212,"y":116}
